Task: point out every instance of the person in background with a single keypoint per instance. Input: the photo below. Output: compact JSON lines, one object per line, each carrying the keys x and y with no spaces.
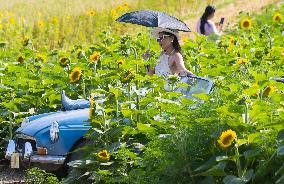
{"x":205,"y":26}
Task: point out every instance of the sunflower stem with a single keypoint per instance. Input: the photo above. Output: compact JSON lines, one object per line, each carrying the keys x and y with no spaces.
{"x":117,"y":107}
{"x":95,"y":69}
{"x":84,"y":88}
{"x":238,"y":163}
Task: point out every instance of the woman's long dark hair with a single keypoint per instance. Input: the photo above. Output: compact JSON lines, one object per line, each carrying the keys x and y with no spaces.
{"x":176,"y":44}
{"x":208,"y":11}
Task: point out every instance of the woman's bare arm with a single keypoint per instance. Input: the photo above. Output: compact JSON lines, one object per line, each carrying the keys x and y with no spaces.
{"x":177,"y":65}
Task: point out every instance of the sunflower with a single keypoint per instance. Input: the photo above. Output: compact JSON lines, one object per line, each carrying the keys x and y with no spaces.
{"x":246,"y":23}
{"x":184,"y":39}
{"x":104,"y":155}
{"x":268,"y":91}
{"x":12,"y":20}
{"x":242,"y":61}
{"x":91,"y":13}
{"x":227,"y":138}
{"x":75,"y":74}
{"x":120,"y":8}
{"x":40,"y":24}
{"x":113,"y":14}
{"x":95,"y":57}
{"x":26,"y":41}
{"x":20,"y":59}
{"x":92,"y":108}
{"x":64,"y":61}
{"x":277,"y":17}
{"x":54,"y":20}
{"x":232,"y":40}
{"x":40,"y":58}
{"x":129,"y":75}
{"x":120,"y":62}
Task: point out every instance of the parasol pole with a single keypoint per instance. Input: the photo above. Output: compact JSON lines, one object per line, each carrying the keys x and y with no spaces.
{"x":148,"y":48}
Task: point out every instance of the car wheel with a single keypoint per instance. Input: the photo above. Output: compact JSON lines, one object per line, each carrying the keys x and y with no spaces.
{"x":73,"y":155}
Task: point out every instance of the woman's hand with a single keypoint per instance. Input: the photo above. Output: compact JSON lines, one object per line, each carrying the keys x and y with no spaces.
{"x":219,"y":26}
{"x":146,"y":55}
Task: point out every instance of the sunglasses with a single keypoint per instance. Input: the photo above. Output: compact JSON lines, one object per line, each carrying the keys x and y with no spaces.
{"x":160,"y":38}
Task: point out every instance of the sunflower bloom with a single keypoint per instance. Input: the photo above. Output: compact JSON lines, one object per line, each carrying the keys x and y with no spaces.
{"x":242,"y":61}
{"x":227,"y":138}
{"x":184,"y":39}
{"x":120,"y":62}
{"x":64,"y":61}
{"x":104,"y":155}
{"x":277,"y":17}
{"x":12,"y":20}
{"x":113,"y":14}
{"x":120,"y":8}
{"x":232,"y":40}
{"x":40,"y":24}
{"x":75,"y":74}
{"x":128,"y":77}
{"x":268,"y":91}
{"x":246,"y":23}
{"x":40,"y":58}
{"x":54,"y":20}
{"x":91,"y":13}
{"x":95,"y":57}
{"x":20,"y":59}
{"x":26,"y":41}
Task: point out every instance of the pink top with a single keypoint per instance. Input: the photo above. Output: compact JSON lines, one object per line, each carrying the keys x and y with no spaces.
{"x":209,"y":28}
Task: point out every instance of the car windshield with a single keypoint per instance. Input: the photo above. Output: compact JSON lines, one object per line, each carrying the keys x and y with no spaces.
{"x":198,"y":85}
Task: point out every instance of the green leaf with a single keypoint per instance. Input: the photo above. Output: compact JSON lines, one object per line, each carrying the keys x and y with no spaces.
{"x":210,"y":163}
{"x":280,"y":150}
{"x":217,"y":170}
{"x":106,"y":163}
{"x":116,"y":92}
{"x":223,"y":158}
{"x":280,"y":136}
{"x":280,"y":180}
{"x":230,"y":179}
{"x":251,"y":153}
{"x":145,"y":128}
{"x":204,"y":97}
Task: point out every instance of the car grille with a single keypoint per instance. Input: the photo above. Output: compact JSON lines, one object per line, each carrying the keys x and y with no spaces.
{"x":21,"y":139}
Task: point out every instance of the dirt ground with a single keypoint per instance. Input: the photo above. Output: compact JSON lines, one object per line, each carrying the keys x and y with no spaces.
{"x":8,"y":175}
{"x":230,"y":12}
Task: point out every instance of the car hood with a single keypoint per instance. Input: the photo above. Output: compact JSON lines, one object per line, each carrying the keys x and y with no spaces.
{"x":74,"y":118}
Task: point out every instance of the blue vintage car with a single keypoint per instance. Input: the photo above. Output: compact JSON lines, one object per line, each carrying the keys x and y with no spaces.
{"x":47,"y":140}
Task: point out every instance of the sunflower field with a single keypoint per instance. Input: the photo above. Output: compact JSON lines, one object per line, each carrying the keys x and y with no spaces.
{"x":143,"y":133}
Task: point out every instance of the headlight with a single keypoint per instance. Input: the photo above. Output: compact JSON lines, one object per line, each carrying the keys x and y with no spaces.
{"x":53,"y":131}
{"x":28,"y":150}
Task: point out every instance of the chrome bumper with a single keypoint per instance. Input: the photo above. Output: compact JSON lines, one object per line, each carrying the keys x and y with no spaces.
{"x":33,"y":158}
{"x":47,"y":159}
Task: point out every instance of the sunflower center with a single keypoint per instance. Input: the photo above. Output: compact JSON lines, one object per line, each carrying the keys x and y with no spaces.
{"x":76,"y":74}
{"x":103,"y":154}
{"x":227,"y":140}
{"x":246,"y":24}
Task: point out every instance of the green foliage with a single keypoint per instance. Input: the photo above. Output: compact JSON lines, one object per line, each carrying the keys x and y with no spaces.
{"x":38,"y":176}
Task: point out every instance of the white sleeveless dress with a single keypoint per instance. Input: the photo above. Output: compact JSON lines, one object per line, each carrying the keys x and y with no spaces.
{"x":163,"y":69}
